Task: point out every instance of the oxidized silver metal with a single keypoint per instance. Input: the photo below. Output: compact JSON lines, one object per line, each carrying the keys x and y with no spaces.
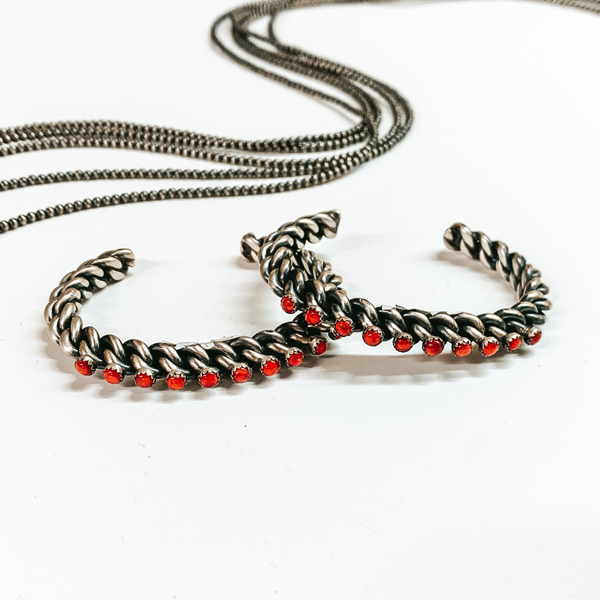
{"x":298,"y":275}
{"x":273,"y":348}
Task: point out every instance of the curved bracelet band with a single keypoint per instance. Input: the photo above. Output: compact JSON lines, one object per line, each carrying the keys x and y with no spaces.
{"x":307,"y":284}
{"x":177,"y":363}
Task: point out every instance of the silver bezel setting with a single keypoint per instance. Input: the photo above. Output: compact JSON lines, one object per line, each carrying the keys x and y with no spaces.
{"x":145,"y":371}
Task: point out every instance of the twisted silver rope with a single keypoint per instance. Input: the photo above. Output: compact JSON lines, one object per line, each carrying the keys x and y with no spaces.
{"x":178,"y":363}
{"x":307,"y":284}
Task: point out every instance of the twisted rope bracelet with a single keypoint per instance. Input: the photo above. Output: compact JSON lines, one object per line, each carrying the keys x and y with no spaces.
{"x":177,"y":363}
{"x":306,"y":283}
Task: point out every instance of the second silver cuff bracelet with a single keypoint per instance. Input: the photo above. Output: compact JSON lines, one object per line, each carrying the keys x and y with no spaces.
{"x":307,"y":284}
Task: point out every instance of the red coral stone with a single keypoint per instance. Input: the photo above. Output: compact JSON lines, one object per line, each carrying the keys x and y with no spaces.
{"x":320,"y":347}
{"x":312,"y":316}
{"x":175,"y":382}
{"x":433,"y":347}
{"x":270,"y":367}
{"x":489,"y":348}
{"x":343,"y":327}
{"x":372,"y":337}
{"x":462,"y":349}
{"x":403,"y":343}
{"x":84,"y":367}
{"x":241,"y":374}
{"x":209,"y":379}
{"x":295,"y":358}
{"x":288,"y":305}
{"x":535,"y":337}
{"x":113,"y":376}
{"x":144,"y":380}
{"x":514,"y":343}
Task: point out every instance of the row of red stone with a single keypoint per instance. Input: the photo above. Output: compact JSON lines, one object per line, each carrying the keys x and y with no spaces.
{"x":208,"y":377}
{"x":432,"y":345}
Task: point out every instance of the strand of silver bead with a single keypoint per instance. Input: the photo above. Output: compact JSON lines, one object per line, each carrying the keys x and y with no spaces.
{"x":362,"y":97}
{"x":307,"y":284}
{"x":236,"y":357}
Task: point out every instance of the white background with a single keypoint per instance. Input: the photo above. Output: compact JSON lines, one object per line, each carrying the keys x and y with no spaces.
{"x":367,"y":474}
